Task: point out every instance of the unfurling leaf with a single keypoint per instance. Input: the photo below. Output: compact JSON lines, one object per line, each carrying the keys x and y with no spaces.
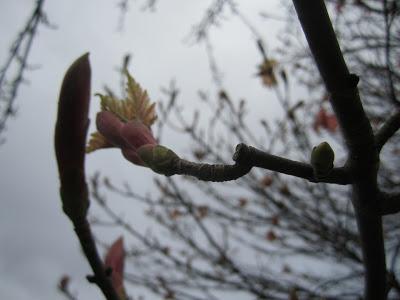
{"x":97,"y":141}
{"x":133,"y":115}
{"x":136,"y":106}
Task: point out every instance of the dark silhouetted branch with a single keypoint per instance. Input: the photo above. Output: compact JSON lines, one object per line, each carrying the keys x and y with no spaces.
{"x":357,"y":131}
{"x":247,"y":157}
{"x":257,"y":158}
{"x":390,"y":203}
{"x":387,"y":131}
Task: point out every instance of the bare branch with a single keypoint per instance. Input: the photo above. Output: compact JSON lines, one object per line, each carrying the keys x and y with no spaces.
{"x":247,"y":157}
{"x":18,"y":55}
{"x":261,"y":159}
{"x":387,"y":131}
{"x":101,"y":277}
{"x":358,"y":135}
{"x":390,"y":203}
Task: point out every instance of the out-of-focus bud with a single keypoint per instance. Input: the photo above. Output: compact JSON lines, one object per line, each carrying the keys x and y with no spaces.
{"x":115,"y":259}
{"x":158,"y":158}
{"x":322,"y":157}
{"x":70,"y":137}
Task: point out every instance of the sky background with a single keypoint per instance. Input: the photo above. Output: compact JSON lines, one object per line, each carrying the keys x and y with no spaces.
{"x":37,"y":243}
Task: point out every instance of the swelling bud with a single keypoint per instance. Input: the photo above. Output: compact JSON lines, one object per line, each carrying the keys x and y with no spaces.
{"x":158,"y":158}
{"x":322,"y":157}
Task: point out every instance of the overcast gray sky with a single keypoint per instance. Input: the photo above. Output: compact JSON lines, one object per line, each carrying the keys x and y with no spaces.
{"x":37,"y":243}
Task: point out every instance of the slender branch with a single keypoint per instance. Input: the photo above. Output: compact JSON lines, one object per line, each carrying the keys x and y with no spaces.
{"x":388,"y":49}
{"x":245,"y":158}
{"x":101,"y":276}
{"x":211,"y":172}
{"x":387,"y":131}
{"x":390,"y":203}
{"x":18,"y":54}
{"x":257,"y":158}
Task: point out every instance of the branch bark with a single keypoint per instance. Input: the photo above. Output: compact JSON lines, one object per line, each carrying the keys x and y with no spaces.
{"x":357,"y":132}
{"x":245,"y":158}
{"x":387,"y":131}
{"x":390,"y":203}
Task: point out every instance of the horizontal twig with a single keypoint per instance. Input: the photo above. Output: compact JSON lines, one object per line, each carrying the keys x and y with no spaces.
{"x":261,"y":159}
{"x":211,"y":172}
{"x":245,"y":158}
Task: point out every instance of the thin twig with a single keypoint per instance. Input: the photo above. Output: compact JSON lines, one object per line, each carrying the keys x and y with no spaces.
{"x":387,"y":131}
{"x":245,"y":158}
{"x":19,"y":53}
{"x":390,"y":203}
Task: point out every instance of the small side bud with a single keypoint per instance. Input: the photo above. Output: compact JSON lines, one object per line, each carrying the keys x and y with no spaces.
{"x":322,"y":157}
{"x":158,"y":158}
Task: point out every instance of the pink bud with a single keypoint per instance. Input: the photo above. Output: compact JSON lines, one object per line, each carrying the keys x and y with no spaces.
{"x":136,"y":134}
{"x":110,"y":127}
{"x":115,"y":259}
{"x":132,"y":156}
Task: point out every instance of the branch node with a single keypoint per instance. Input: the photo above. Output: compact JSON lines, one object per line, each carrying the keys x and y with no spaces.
{"x":91,"y":278}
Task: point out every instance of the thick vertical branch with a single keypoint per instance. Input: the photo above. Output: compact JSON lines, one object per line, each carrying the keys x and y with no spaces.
{"x":357,"y":131}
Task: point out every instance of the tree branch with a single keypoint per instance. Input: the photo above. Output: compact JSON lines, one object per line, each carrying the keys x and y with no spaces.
{"x":357,"y":132}
{"x":390,"y":203}
{"x":387,"y":131}
{"x":249,"y":155}
{"x":101,"y":277}
{"x":18,"y":55}
{"x":245,"y":158}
